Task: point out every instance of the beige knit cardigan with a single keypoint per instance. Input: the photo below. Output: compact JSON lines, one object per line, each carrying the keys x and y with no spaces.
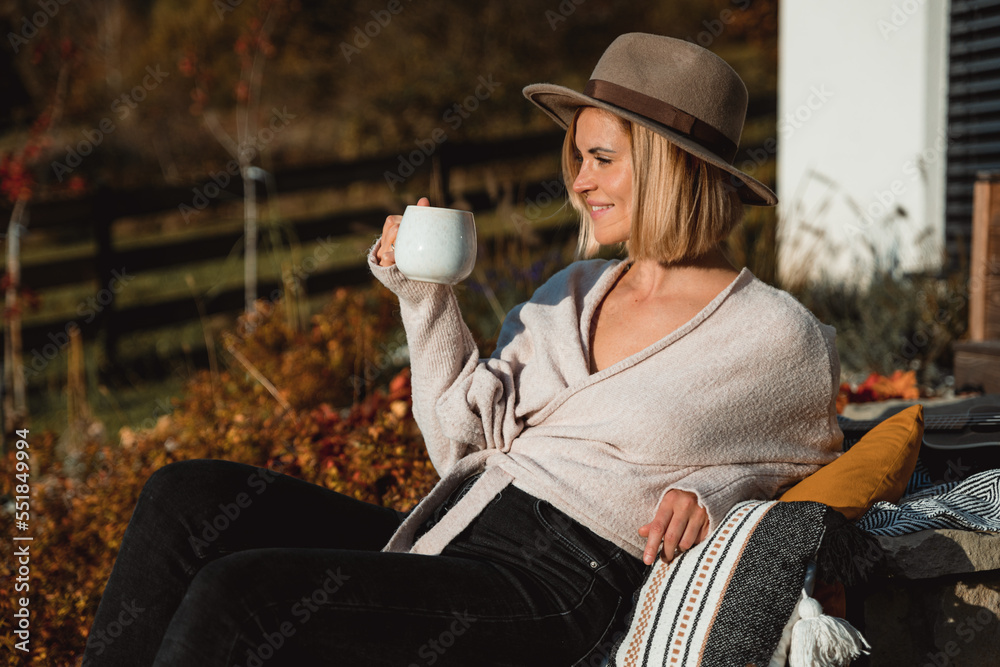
{"x":733,"y":405}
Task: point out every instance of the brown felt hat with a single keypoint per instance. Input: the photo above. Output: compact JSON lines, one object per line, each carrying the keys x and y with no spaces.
{"x":674,"y":88}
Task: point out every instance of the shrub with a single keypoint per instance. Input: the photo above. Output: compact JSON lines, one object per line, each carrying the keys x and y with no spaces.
{"x":371,"y":450}
{"x":339,"y":416}
{"x":893,"y":323}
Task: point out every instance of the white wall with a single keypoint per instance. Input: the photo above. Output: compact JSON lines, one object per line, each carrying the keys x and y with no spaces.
{"x":861,"y":131}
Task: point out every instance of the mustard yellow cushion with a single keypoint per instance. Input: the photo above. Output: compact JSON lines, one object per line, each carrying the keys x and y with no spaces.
{"x":877,"y":468}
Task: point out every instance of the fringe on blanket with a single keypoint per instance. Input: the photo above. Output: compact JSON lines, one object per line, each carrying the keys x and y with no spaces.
{"x":847,"y":554}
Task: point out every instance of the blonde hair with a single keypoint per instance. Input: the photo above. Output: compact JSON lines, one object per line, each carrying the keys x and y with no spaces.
{"x":682,"y":206}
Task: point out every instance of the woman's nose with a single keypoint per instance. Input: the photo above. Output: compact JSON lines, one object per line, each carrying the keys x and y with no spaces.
{"x":583,"y":183}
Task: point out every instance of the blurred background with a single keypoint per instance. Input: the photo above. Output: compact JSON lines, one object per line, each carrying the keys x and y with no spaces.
{"x":188,"y":190}
{"x":133,"y":132}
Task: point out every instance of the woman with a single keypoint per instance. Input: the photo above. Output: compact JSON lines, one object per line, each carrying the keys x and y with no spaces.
{"x":627,"y":407}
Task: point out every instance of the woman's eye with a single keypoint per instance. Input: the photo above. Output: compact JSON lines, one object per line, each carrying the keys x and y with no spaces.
{"x":603,"y":160}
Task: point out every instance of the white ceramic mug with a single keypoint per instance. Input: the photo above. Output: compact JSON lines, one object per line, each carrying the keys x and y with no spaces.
{"x":436,"y":245}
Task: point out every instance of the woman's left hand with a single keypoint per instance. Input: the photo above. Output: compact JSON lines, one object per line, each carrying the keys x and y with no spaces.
{"x":680,"y":523}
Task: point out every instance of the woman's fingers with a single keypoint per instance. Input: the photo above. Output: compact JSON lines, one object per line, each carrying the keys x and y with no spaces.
{"x":656,"y":532}
{"x":385,"y":253}
{"x":692,"y":534}
{"x":679,"y":524}
{"x":673,"y":534}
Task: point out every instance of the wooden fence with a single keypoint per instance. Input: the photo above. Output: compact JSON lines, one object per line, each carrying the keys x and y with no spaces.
{"x":96,"y":215}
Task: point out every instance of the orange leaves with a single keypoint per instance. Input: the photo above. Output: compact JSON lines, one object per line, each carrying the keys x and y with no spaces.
{"x":76,"y":185}
{"x":67,"y":49}
{"x":16,"y":179}
{"x":188,"y":65}
{"x":78,"y":514}
{"x":370,"y":449}
{"x":242,"y":91}
{"x":242,"y":46}
{"x":400,"y":385}
{"x":901,"y":384}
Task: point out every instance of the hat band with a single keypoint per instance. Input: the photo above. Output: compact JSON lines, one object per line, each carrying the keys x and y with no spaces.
{"x":665,"y":114}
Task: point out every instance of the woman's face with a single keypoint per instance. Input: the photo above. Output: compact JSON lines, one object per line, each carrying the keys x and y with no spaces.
{"x":605,"y":178}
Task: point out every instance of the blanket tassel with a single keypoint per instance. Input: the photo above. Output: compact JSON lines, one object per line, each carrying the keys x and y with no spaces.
{"x":847,"y":554}
{"x":819,"y":640}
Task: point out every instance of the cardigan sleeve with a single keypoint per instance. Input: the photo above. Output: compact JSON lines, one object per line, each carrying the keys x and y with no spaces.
{"x":461,"y":403}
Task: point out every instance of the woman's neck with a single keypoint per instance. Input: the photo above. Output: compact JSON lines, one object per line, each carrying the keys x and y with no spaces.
{"x":650,"y":278}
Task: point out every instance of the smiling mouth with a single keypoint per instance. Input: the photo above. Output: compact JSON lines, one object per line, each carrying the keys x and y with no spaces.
{"x":602,"y":207}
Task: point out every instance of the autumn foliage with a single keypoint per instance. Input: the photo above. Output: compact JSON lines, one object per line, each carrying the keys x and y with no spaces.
{"x":83,"y":491}
{"x":901,"y":384}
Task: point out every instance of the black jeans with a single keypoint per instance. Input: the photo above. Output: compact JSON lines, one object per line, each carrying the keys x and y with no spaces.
{"x":229,"y":565}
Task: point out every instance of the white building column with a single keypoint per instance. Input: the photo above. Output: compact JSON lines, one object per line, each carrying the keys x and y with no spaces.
{"x":861,"y":136}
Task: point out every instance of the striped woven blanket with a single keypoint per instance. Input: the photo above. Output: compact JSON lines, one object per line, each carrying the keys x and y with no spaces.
{"x":727,"y":600}
{"x":969,"y":504}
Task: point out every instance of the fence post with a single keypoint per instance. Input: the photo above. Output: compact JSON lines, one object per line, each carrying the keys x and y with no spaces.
{"x":440,"y":190}
{"x":104,"y":213}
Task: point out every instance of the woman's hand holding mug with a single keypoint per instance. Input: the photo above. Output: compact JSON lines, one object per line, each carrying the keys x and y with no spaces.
{"x":429,"y":244}
{"x":386,"y":253}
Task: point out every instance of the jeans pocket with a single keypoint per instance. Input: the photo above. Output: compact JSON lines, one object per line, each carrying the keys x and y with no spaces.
{"x":582,"y":543}
{"x":634,"y":571}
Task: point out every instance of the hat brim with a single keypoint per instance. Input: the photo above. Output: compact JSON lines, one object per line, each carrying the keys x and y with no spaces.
{"x":560,"y":103}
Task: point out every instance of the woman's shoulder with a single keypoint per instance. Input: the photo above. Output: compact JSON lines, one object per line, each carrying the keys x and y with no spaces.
{"x":781,"y":322}
{"x":773,"y":333}
{"x":578,"y":278}
{"x":557,"y":303}
{"x":566,"y":291}
{"x":777,"y":304}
